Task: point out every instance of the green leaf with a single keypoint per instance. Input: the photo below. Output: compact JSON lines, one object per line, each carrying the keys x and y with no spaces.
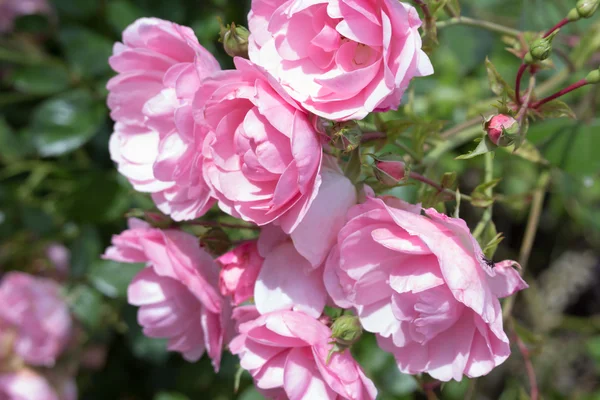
{"x":79,"y":9}
{"x":85,"y":250}
{"x":557,"y":109}
{"x":11,"y":149}
{"x":498,"y":85}
{"x":170,"y":396}
{"x":569,"y":145}
{"x":528,"y":152}
{"x":485,"y":146}
{"x":97,"y":198}
{"x":352,"y":169}
{"x":87,"y":306}
{"x":40,"y":79}
{"x":86,"y":51}
{"x":112,"y":278}
{"x":448,"y":180}
{"x":479,"y":196}
{"x":490,"y":239}
{"x":64,"y":123}
{"x":122,"y":13}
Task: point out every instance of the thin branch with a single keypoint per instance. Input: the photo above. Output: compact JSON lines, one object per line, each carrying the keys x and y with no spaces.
{"x":559,"y":25}
{"x":490,"y":26}
{"x":436,"y":185}
{"x":425,"y":8}
{"x":560,"y":93}
{"x":519,"y":78}
{"x":533,"y":222}
{"x":487,"y":214}
{"x":533,"y":387}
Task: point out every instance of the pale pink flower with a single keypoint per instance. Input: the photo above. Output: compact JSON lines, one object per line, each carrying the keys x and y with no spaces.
{"x":287,"y":280}
{"x":60,"y":257}
{"x":176,"y":292}
{"x":12,"y":9}
{"x":27,"y":385}
{"x":239,"y":269}
{"x":286,"y":354}
{"x":422,"y":284}
{"x":262,"y":157}
{"x":341,"y":59}
{"x":156,"y":143}
{"x":35,"y":316}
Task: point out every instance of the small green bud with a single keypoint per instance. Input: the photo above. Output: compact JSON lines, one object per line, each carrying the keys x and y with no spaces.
{"x":593,"y":77}
{"x":541,"y":49}
{"x":587,"y":8}
{"x":345,"y":331}
{"x":235,"y":40}
{"x":573,"y":15}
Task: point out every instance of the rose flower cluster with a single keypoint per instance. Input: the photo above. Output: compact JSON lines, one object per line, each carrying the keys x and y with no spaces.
{"x":193,"y":135}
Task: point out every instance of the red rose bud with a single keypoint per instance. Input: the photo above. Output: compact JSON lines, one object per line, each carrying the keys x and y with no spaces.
{"x":501,"y":129}
{"x":390,"y":172}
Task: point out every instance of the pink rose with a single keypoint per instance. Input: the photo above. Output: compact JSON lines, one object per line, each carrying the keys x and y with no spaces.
{"x":239,"y":269}
{"x":10,"y":10}
{"x":422,"y":284}
{"x":286,"y":353}
{"x":156,"y":143}
{"x":176,"y":292}
{"x":35,"y":316}
{"x":341,"y":59}
{"x":287,"y":280}
{"x":262,"y":156}
{"x":26,"y":385}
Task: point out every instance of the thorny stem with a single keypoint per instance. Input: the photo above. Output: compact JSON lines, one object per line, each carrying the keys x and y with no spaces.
{"x":559,"y":25}
{"x":520,"y":73}
{"x":490,"y":26}
{"x":487,"y":214}
{"x":436,"y":186}
{"x":560,"y":93}
{"x":533,"y":222}
{"x":533,"y":387}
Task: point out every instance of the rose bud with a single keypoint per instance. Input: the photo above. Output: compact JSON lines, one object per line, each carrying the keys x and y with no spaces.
{"x":389,"y":172}
{"x":501,"y":129}
{"x":235,"y":40}
{"x":587,"y":8}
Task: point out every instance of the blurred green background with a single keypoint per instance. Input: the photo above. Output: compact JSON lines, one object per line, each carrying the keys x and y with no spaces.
{"x":58,"y":184}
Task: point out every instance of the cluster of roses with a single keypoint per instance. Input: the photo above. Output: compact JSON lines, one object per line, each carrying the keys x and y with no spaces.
{"x":192,"y":135}
{"x":35,"y":330}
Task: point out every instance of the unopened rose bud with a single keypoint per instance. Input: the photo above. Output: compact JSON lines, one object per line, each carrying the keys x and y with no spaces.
{"x":501,"y":129}
{"x":235,"y":40}
{"x":587,"y":8}
{"x":346,"y":330}
{"x":390,"y":172}
{"x":593,"y":77}
{"x":541,"y":49}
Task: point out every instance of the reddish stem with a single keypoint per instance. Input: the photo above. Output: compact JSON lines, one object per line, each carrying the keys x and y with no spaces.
{"x":534,"y":392}
{"x":427,"y":181}
{"x":562,"y":23}
{"x":556,"y":95}
{"x":425,"y":8}
{"x":520,"y":73}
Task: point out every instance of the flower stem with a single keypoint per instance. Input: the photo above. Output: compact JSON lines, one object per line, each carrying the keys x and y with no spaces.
{"x":425,"y":8}
{"x":530,"y":232}
{"x":533,"y":387}
{"x":520,"y":73}
{"x":559,"y":25}
{"x":490,"y":26}
{"x":487,"y":214}
{"x":560,"y":93}
{"x":436,"y":186}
